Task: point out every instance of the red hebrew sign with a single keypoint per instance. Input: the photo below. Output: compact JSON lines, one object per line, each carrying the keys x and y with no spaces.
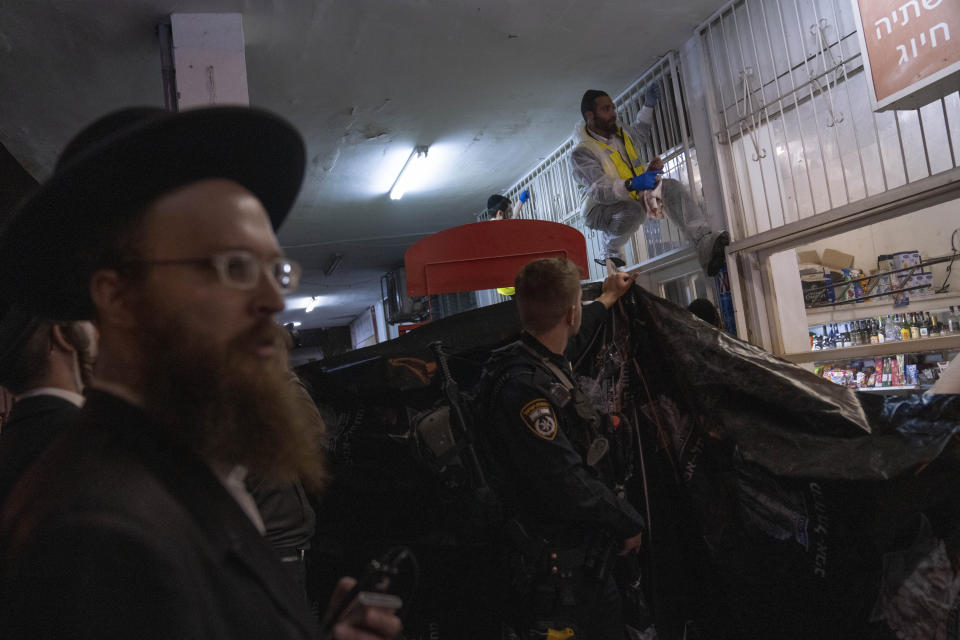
{"x":910,"y":46}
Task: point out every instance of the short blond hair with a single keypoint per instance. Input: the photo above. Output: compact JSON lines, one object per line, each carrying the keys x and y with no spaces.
{"x":546,"y":289}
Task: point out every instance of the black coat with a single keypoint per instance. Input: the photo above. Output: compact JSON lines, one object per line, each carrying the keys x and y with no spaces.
{"x":34,"y":423}
{"x":117,"y":533}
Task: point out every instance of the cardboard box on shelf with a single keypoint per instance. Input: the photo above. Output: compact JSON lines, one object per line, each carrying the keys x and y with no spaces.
{"x":813,"y":292}
{"x":925,"y":280}
{"x":884,"y":284}
{"x":903,"y":259}
{"x":834,"y":263}
{"x":808,"y":257}
{"x":877,"y":287}
{"x":836,"y":260}
{"x":813,"y":277}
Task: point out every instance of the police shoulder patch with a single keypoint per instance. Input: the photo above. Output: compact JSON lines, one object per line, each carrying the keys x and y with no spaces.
{"x":539,"y":417}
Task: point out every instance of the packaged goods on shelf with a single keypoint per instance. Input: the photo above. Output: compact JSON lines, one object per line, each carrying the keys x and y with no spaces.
{"x":924,"y":280}
{"x":813,"y":282}
{"x":895,"y":373}
{"x":884,"y":264}
{"x":904,"y":259}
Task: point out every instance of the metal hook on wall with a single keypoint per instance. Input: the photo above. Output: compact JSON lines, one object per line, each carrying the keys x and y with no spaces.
{"x":819,"y":30}
{"x":745,"y":75}
{"x":836,"y":117}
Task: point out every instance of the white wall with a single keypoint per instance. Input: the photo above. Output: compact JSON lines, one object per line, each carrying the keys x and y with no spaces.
{"x":363,"y":329}
{"x":370,"y":327}
{"x":927,"y":231}
{"x":381,"y":319}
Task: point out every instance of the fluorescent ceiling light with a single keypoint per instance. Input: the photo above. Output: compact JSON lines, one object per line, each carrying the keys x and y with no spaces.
{"x":312,"y":304}
{"x":297,"y":323}
{"x":411,"y":171}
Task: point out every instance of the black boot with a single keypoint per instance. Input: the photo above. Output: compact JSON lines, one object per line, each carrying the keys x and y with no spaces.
{"x":718,"y":257}
{"x":617,"y":262}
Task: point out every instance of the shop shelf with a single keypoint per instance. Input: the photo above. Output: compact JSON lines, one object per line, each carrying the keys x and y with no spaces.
{"x":871,"y":308}
{"x":909,"y":387}
{"x":923,"y":345}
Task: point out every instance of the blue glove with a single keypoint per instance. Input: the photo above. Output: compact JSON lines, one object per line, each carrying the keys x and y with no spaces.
{"x":652,"y":96}
{"x":644,"y":181}
{"x":524,"y":196}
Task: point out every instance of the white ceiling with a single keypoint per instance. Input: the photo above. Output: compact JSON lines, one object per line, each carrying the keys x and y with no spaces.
{"x":493,"y":86}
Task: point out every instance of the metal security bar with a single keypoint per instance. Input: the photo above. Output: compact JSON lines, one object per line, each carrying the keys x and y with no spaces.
{"x":554,"y":195}
{"x":794,"y":119}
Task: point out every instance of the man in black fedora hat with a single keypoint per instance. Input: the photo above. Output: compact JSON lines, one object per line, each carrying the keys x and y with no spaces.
{"x":46,"y":365}
{"x":136,"y":523}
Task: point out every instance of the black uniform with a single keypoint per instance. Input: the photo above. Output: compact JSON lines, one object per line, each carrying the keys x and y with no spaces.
{"x":566,"y":519}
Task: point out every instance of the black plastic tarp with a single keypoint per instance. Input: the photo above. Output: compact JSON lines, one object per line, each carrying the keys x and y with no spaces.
{"x":780,"y":505}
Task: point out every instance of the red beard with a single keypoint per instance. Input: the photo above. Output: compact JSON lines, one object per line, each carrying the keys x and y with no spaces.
{"x":230,"y":406}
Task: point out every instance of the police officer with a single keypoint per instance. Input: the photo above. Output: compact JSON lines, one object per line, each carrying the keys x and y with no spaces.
{"x":552,"y":452}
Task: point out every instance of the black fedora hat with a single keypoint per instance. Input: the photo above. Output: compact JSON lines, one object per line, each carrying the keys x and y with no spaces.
{"x":56,"y":238}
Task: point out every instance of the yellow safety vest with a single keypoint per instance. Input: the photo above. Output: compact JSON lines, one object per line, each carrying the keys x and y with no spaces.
{"x":612,"y":161}
{"x":506,"y":291}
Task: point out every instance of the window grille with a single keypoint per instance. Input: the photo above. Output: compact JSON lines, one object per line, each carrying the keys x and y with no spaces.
{"x":553,"y":192}
{"x":795,"y":123}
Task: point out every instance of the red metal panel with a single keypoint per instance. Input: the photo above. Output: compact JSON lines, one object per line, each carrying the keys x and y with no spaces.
{"x":484,"y":255}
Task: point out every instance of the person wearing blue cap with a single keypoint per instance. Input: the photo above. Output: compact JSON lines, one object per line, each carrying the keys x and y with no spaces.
{"x":500,"y":208}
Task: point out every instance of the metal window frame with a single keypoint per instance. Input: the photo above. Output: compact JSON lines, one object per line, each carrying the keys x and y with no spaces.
{"x":754,"y":253}
{"x":754,"y":294}
{"x":555,"y":196}
{"x":828,"y":85}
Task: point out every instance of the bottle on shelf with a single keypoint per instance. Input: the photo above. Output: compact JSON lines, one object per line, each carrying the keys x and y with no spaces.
{"x":904,"y":328}
{"x":892,"y":332}
{"x":934,"y":325}
{"x":914,"y":327}
{"x":880,"y":331}
{"x":875,"y":332}
{"x":952,"y":320}
{"x":847,"y":338}
{"x":924,"y":325}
